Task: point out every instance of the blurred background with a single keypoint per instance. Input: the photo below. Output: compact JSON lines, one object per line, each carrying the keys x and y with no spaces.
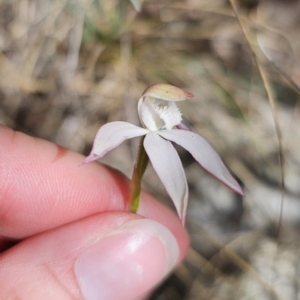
{"x":69,"y":66}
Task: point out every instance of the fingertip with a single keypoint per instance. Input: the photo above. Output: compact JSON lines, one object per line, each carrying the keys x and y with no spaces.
{"x":155,"y":210}
{"x":141,"y":250}
{"x":91,"y":257}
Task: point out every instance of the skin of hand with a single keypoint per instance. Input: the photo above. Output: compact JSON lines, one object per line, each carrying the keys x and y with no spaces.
{"x":66,"y":231}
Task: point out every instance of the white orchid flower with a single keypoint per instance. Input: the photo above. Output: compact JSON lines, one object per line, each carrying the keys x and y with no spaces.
{"x":161,"y":120}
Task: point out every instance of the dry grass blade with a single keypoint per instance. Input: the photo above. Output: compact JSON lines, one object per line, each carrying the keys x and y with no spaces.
{"x":271,"y":98}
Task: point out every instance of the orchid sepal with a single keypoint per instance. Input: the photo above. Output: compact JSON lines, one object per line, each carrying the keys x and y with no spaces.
{"x":204,"y":154}
{"x":110,"y":136}
{"x":166,"y":92}
{"x":166,"y":163}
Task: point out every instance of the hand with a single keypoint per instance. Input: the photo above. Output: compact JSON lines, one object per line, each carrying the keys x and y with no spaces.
{"x":66,"y":233}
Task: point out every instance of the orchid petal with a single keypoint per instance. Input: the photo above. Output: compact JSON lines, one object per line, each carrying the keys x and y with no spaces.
{"x":149,"y":117}
{"x":168,"y":167}
{"x":111,"y":135}
{"x":204,"y":154}
{"x":182,"y":126}
{"x":166,"y":92}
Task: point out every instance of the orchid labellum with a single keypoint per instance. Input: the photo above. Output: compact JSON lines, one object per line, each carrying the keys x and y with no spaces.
{"x":161,"y":120}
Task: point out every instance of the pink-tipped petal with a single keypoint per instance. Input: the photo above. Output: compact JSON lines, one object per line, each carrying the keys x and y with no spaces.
{"x":168,"y":167}
{"x":182,"y":126}
{"x":166,"y":92}
{"x":204,"y":154}
{"x":111,"y":135}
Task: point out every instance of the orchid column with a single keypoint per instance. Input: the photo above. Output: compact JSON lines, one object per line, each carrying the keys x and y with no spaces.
{"x":161,"y":121}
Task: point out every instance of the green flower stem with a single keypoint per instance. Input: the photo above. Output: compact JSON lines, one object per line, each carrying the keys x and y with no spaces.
{"x":138,"y":172}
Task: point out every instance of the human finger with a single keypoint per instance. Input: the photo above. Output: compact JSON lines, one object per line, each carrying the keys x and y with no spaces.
{"x":42,"y":187}
{"x":106,"y":256}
